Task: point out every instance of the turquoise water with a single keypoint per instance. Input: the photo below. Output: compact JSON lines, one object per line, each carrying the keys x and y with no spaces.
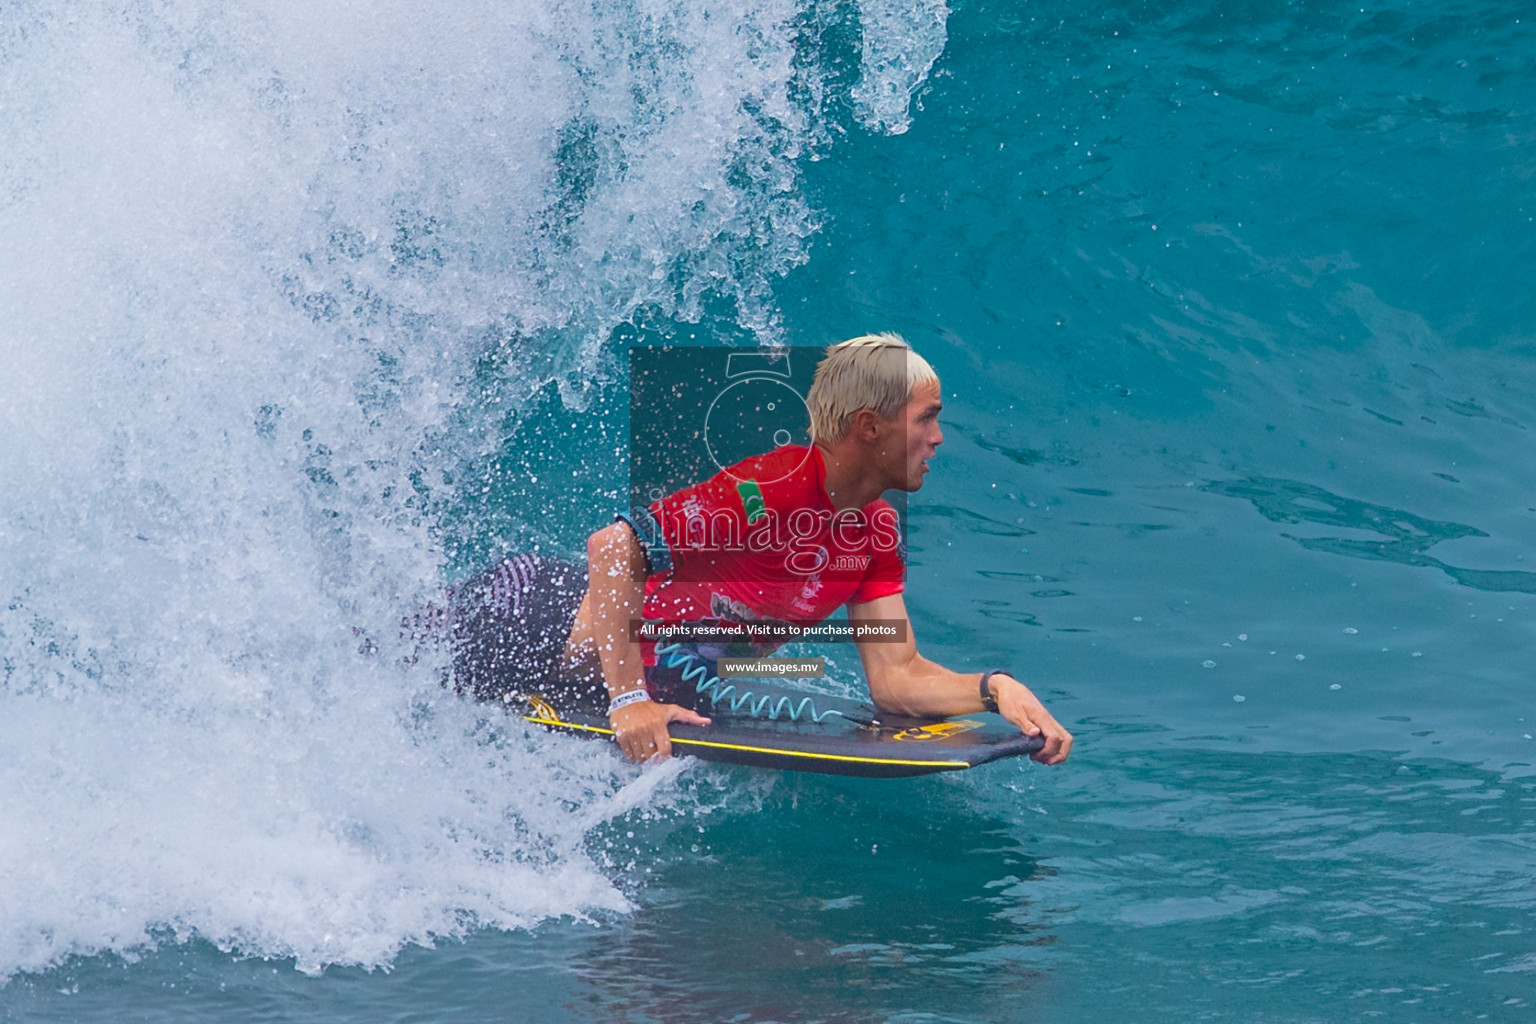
{"x":308,"y":311}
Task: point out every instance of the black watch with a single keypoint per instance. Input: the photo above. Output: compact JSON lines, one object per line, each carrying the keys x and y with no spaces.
{"x":988,"y":701}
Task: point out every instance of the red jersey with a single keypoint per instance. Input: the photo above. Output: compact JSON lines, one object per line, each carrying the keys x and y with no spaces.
{"x":761,"y":541}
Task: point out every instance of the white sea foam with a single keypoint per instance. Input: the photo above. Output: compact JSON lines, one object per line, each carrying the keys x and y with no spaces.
{"x":270,"y":274}
{"x":902,"y":40}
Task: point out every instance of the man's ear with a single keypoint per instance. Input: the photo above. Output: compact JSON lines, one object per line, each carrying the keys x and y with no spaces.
{"x":865,"y":425}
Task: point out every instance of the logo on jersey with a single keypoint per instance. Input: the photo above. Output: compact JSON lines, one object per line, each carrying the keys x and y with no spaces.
{"x":752,"y":500}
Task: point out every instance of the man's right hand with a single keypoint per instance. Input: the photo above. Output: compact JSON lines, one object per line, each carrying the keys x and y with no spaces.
{"x":641,"y":729}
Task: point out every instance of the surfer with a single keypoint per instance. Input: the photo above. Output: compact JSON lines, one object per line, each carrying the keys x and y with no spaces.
{"x":786,"y":537}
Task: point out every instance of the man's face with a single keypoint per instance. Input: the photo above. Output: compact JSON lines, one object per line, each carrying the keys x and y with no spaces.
{"x":919,"y":419}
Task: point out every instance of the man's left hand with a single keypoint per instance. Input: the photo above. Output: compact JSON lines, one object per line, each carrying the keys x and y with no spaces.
{"x":1016,"y":703}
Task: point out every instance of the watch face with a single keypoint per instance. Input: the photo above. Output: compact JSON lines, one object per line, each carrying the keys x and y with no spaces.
{"x":988,"y":701}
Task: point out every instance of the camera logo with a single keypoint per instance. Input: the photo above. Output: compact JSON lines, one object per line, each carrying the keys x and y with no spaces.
{"x":759,"y":410}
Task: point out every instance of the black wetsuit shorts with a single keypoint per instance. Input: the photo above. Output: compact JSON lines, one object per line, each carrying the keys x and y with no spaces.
{"x":510,"y":625}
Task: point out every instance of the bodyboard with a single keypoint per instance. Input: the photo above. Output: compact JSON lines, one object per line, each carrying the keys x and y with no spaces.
{"x":850,"y":738}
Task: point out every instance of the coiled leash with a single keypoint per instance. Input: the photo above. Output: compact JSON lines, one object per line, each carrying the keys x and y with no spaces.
{"x":718,"y":691}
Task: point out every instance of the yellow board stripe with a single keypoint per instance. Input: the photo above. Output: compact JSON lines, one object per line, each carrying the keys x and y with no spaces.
{"x":762,"y":750}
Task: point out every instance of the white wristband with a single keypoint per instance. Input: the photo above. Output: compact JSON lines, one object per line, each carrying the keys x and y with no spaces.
{"x":624,"y":700}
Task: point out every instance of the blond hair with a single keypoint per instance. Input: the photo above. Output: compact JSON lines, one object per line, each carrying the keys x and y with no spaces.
{"x":873,"y":371}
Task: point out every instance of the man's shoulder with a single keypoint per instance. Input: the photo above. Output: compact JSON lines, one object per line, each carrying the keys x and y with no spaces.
{"x":785,"y":460}
{"x":783,"y":478}
{"x":786,"y":477}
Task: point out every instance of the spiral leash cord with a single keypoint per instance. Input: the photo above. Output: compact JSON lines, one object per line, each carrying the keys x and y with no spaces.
{"x":718,"y":691}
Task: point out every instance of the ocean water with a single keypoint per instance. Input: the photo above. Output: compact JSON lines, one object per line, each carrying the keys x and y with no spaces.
{"x":308,"y":309}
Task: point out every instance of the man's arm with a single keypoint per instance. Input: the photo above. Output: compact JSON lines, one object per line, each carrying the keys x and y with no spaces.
{"x":903,"y":681}
{"x":616,"y":584}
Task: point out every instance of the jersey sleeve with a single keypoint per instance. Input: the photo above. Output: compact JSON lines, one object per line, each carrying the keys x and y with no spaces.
{"x":647,"y":530}
{"x":674,"y":532}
